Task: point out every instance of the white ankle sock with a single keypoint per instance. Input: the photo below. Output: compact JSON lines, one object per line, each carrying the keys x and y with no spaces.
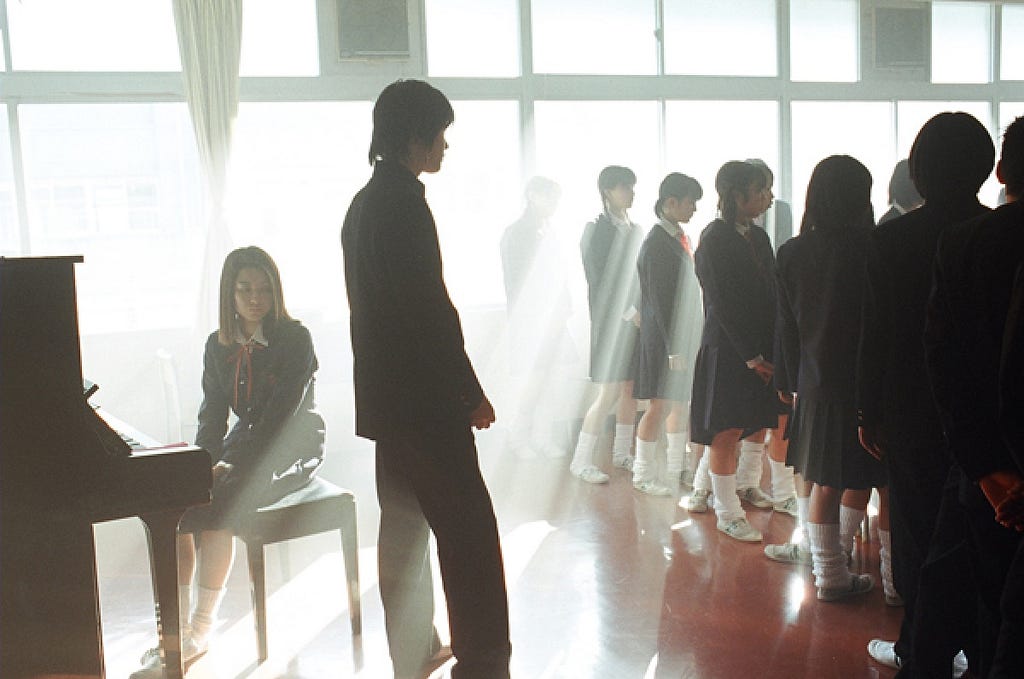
{"x":185,"y":608}
{"x":829,"y":561}
{"x":849,"y":523}
{"x":702,"y":477}
{"x":885,"y":565}
{"x":748,"y":471}
{"x":675,"y":455}
{"x":584,"y":455}
{"x":727,"y":503}
{"x":783,"y":484}
{"x":623,"y":441}
{"x":205,"y":616}
{"x":645,"y":467}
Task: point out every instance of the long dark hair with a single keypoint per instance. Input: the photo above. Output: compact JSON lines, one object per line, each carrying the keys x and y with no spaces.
{"x":736,"y":177}
{"x":838,"y":195}
{"x":250,"y":257}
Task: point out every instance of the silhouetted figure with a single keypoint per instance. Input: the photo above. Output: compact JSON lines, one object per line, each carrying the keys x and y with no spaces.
{"x":821,"y":275}
{"x":950,"y":159}
{"x":777,"y":221}
{"x":903,"y":195}
{"x":975,"y":269}
{"x":670,"y":322}
{"x":417,"y":396}
{"x":609,"y":249}
{"x":538,"y":307}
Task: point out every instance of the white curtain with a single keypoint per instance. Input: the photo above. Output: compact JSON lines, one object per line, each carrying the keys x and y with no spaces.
{"x":210,"y":43}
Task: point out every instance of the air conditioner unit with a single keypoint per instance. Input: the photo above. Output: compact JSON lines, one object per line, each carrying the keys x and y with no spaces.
{"x":896,"y":40}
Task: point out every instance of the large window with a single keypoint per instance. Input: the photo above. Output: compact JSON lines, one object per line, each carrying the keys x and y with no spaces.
{"x":118,"y":184}
{"x":486,"y":29}
{"x":594,"y":36}
{"x":710,"y":37}
{"x":10,"y":238}
{"x":98,"y":35}
{"x":961,"y":42}
{"x":1011,"y":58}
{"x":279,"y":43}
{"x":824,"y":38}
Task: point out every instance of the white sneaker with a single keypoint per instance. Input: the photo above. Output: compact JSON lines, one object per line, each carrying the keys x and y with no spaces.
{"x":787,"y":506}
{"x":152,"y":666}
{"x":697,"y":503}
{"x":590,"y":474}
{"x":859,"y":584}
{"x":789,"y":552}
{"x":884,"y":652}
{"x":623,"y":462}
{"x":740,"y":529}
{"x":651,"y":487}
{"x":754,"y":496}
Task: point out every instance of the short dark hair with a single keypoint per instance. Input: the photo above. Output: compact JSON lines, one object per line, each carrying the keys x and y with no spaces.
{"x":838,"y":195}
{"x":1011,"y":158}
{"x":679,"y":186}
{"x":612,"y":176}
{"x":407,"y":111}
{"x":736,"y":176}
{"x":769,"y":175}
{"x":902,"y":191}
{"x":250,"y":257}
{"x":953,"y":154}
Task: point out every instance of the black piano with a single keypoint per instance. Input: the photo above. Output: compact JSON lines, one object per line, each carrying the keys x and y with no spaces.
{"x":62,"y":469}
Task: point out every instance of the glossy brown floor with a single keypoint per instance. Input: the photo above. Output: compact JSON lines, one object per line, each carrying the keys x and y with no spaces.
{"x":604,"y":583}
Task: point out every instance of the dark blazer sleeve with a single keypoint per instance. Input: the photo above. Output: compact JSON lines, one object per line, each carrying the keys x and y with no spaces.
{"x":1011,"y":373}
{"x":410,"y":256}
{"x":787,"y":333}
{"x":594,"y":248}
{"x":875,"y":340}
{"x":716,"y":270}
{"x":293,"y":374}
{"x":213,"y":411}
{"x":658,"y":269}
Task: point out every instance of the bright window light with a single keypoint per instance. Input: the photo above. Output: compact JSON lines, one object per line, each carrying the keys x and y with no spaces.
{"x":710,"y":37}
{"x":961,"y":42}
{"x":486,"y":29}
{"x":1011,"y":60}
{"x":594,"y":37}
{"x":823,"y":38}
{"x":279,"y":43}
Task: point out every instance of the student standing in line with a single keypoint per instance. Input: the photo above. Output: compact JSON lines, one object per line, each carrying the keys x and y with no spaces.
{"x":821,"y":276}
{"x":418,"y":397}
{"x":669,"y":330}
{"x":732,"y":392}
{"x":903,"y":195}
{"x":609,"y":249}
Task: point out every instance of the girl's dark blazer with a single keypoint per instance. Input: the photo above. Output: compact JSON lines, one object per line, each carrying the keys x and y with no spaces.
{"x":609,"y":263}
{"x":670,"y":316}
{"x":411,"y":372}
{"x":279,"y":424}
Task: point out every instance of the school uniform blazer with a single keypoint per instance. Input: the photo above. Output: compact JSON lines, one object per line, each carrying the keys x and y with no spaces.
{"x":737,"y":277}
{"x":821,"y":277}
{"x":973,"y":282}
{"x":893,"y":389}
{"x":278,"y":423}
{"x":609,"y":264}
{"x":1011,"y":372}
{"x":410,"y":370}
{"x":669,"y":304}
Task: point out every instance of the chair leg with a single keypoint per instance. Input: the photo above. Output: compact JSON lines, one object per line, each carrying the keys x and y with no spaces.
{"x":350,"y":549}
{"x":258,"y":590}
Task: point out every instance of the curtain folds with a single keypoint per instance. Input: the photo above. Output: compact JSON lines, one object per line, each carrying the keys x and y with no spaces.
{"x":210,"y":42}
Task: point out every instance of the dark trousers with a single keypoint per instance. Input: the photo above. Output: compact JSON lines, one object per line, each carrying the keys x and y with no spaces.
{"x":430,"y":481}
{"x":916,"y":479}
{"x":943,"y":619}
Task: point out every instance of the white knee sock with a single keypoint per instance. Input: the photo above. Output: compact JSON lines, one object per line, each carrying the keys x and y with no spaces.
{"x":584,"y":455}
{"x":702,"y":477}
{"x":205,"y":616}
{"x":783,"y":484}
{"x":675,"y":455}
{"x":645,"y":467}
{"x":185,"y":609}
{"x":849,"y":523}
{"x":885,"y":559}
{"x":829,"y":561}
{"x":748,"y":471}
{"x":623,"y":441}
{"x":727,"y":503}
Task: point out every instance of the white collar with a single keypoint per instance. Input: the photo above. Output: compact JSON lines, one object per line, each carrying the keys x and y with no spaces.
{"x":257,"y":337}
{"x":671,"y":228}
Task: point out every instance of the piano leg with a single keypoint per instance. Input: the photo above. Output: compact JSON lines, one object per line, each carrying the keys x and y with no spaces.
{"x":162,"y":531}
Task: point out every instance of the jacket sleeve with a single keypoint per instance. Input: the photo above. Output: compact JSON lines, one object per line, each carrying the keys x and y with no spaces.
{"x":721,"y":291}
{"x":658,"y":278}
{"x":1011,"y":373}
{"x":407,"y":248}
{"x":874,"y":341}
{"x":292,"y":377}
{"x":213,"y":411}
{"x":787,"y":334}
